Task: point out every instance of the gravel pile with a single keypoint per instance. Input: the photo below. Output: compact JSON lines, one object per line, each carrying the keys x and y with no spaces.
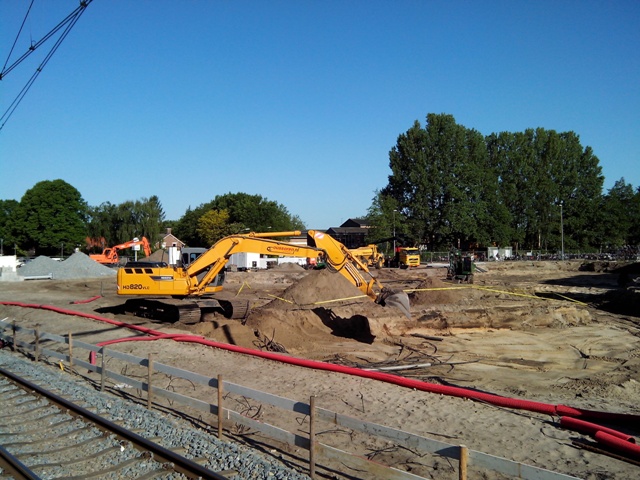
{"x":173,"y":433}
{"x":76,"y":266}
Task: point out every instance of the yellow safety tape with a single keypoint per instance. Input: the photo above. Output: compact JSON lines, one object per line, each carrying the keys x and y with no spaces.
{"x":280,"y":298}
{"x":242,"y":286}
{"x":338,"y":299}
{"x":496,"y":291}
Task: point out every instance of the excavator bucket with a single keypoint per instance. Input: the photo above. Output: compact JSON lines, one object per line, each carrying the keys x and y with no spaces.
{"x":395,"y":298}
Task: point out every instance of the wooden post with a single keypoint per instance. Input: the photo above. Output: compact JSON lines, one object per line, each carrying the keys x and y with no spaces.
{"x":37,"y":352}
{"x":103,"y":369}
{"x":220,"y":411}
{"x":312,"y":436}
{"x":464,"y":456}
{"x":149,"y":374}
{"x":14,"y":346}
{"x":70,"y":350}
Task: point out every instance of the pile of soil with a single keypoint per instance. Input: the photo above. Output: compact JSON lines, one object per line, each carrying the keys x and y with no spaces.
{"x":433,"y":291}
{"x":319,"y":287}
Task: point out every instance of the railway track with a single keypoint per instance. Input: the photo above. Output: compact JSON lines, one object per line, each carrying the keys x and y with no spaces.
{"x":43,"y":435}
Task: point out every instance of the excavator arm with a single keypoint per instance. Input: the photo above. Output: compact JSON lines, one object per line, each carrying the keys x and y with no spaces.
{"x":204,"y":270}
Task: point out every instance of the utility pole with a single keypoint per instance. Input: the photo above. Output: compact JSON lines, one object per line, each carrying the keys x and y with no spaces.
{"x":562,"y":230}
{"x":394,"y":231}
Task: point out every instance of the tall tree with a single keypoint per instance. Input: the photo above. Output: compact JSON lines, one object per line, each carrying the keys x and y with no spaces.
{"x":619,"y":203}
{"x":444,"y":184}
{"x":51,"y":218}
{"x":7,"y":234}
{"x":251,"y":212}
{"x":114,"y":224}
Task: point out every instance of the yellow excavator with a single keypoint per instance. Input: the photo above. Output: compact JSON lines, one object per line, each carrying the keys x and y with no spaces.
{"x":183,"y":294}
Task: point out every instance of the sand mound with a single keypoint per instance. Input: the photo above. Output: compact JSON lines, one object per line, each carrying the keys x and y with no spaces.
{"x":319,"y":287}
{"x":432,"y":291}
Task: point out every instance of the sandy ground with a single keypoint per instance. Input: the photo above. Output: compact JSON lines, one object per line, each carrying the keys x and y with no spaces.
{"x":546,"y":332}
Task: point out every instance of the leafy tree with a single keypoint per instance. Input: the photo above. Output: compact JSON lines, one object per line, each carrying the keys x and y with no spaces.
{"x":252,"y":212}
{"x":444,"y":185}
{"x":214,"y":225}
{"x":385,"y":220}
{"x":51,"y":218}
{"x":619,"y":205}
{"x":7,"y":212}
{"x":111,"y":224}
{"x":634,"y":213}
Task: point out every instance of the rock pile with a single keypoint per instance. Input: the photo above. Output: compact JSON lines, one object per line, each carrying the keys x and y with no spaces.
{"x":76,"y":266}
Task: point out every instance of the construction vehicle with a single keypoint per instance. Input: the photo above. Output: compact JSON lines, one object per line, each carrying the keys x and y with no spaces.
{"x":184,"y":294}
{"x":110,"y":257}
{"x":461,"y":267}
{"x":369,"y":255}
{"x":405,"y":257}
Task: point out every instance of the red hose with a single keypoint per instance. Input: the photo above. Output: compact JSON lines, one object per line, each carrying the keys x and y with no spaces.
{"x":559,"y":410}
{"x":578,"y":425}
{"x":88,"y":300}
{"x":630,"y":450}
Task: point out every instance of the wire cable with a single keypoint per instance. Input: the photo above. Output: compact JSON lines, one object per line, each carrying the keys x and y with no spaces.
{"x":69,"y":21}
{"x":16,"y":40}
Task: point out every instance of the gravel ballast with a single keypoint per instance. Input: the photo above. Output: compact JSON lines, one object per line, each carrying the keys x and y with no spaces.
{"x":173,"y":432}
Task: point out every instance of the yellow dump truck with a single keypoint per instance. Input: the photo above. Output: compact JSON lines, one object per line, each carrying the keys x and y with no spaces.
{"x":369,"y":255}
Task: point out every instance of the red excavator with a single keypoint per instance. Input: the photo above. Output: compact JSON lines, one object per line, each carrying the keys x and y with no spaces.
{"x":109,"y":255}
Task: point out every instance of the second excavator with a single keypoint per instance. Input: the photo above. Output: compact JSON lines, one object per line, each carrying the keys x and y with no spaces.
{"x":110,"y":257}
{"x":183,"y":294}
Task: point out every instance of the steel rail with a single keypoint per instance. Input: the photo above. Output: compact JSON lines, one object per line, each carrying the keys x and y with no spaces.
{"x":179,"y":463}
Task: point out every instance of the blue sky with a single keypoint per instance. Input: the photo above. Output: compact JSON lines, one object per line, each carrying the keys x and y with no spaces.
{"x":301,"y":101}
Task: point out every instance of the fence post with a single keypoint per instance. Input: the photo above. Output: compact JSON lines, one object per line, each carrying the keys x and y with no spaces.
{"x":149,"y":373}
{"x":464,"y":456}
{"x":37,"y":352}
{"x":13,"y":327}
{"x":220,"y":407}
{"x":312,"y":436}
{"x":70,"y":350}
{"x":102,"y":369}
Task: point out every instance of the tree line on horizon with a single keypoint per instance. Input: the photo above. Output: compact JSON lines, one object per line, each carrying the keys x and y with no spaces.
{"x":449,"y":186}
{"x":452,"y":187}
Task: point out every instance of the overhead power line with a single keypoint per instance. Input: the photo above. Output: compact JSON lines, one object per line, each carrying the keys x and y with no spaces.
{"x":65,"y":25}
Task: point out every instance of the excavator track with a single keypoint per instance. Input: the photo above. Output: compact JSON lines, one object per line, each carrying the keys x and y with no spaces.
{"x":168,"y":310}
{"x":185,"y":312}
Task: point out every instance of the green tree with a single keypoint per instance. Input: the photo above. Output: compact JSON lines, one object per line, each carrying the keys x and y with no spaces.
{"x":444,"y":184}
{"x":251,"y":212}
{"x":214,"y":225}
{"x":539,"y":169}
{"x":618,"y":206}
{"x":634,"y":213}
{"x":51,"y":218}
{"x":114,"y":224}
{"x":7,"y":237}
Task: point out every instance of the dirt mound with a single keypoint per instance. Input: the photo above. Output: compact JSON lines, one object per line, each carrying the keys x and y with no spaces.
{"x":432,"y":290}
{"x":319,"y":287}
{"x":288,"y":266}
